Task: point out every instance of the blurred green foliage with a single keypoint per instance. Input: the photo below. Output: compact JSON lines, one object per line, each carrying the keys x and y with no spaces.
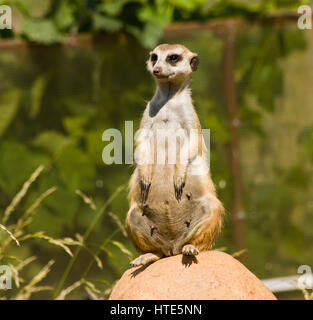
{"x":144,"y":19}
{"x":55,"y":103}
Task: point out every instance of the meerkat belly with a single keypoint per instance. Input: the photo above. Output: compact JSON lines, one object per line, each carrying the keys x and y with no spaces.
{"x":171,"y":217}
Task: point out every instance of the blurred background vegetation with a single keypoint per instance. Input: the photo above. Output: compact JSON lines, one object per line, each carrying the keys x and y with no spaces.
{"x":56,"y":100}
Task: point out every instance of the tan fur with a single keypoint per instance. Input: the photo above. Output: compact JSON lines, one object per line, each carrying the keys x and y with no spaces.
{"x":172,"y":210}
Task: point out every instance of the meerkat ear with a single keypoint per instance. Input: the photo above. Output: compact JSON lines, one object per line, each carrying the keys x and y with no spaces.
{"x":194,"y":62}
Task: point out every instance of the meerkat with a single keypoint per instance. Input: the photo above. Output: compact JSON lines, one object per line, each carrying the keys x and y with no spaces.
{"x":172,"y":210}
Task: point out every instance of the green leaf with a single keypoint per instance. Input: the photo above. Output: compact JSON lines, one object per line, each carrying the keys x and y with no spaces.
{"x":149,"y":36}
{"x":161,"y":14}
{"x":102,"y":23}
{"x":39,"y":30}
{"x":52,"y":141}
{"x":77,"y":107}
{"x":187,"y":4}
{"x":9,"y":103}
{"x":64,"y":16}
{"x":75,"y":125}
{"x":114,"y":7}
{"x":37,"y":91}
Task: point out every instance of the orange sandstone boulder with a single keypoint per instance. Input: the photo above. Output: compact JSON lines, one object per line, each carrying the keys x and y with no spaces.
{"x":213,"y":275}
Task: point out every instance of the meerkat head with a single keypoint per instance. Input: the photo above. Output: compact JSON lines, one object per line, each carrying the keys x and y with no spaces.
{"x":172,"y":63}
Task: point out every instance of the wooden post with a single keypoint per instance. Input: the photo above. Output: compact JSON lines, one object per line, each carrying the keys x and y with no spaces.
{"x":233,"y":123}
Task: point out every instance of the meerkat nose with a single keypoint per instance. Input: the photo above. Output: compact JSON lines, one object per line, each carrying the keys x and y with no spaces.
{"x":157,"y":70}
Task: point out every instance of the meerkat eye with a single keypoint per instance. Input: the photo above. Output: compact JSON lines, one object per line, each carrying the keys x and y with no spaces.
{"x":154,"y":57}
{"x":173,"y":57}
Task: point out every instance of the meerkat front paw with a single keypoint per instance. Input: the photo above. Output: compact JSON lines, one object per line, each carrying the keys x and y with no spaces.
{"x":179,"y":185}
{"x":190,"y":250}
{"x":145,"y":176}
{"x":145,"y":259}
{"x":144,"y":189}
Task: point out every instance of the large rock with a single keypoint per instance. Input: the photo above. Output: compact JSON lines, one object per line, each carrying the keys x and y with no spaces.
{"x":213,"y":275}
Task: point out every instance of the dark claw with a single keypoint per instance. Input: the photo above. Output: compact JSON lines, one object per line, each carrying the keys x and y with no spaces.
{"x":144,"y":187}
{"x":152,"y":228}
{"x":179,"y":190}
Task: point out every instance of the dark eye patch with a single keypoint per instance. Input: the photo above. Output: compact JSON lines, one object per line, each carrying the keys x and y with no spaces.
{"x":154,"y":57}
{"x":174,"y":57}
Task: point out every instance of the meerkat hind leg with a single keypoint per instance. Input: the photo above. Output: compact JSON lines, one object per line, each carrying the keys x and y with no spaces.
{"x":145,"y":259}
{"x":190,"y":250}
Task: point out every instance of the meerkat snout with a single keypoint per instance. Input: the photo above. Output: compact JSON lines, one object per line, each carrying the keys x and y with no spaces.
{"x":157,"y":70}
{"x":172,"y":62}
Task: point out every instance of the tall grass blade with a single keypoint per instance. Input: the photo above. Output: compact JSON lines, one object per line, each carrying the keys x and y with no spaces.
{"x":87,"y":200}
{"x":10,"y":234}
{"x":86,"y":235}
{"x":26,"y":291}
{"x":20,"y":195}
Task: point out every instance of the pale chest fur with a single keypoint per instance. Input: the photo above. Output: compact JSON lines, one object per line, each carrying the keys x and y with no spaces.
{"x":176,"y":113}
